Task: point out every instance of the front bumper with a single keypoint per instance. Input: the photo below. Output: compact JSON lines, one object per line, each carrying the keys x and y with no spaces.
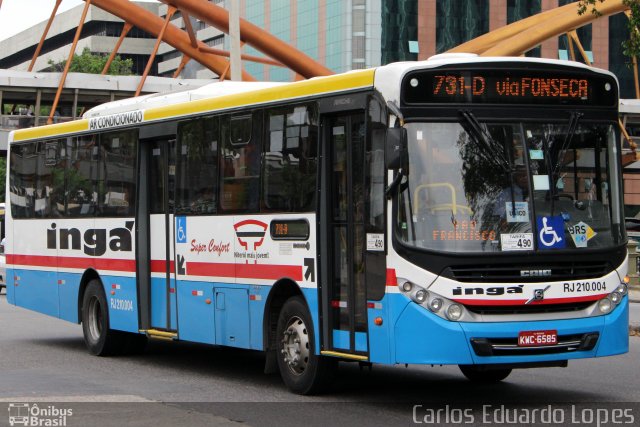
{"x":424,"y":338}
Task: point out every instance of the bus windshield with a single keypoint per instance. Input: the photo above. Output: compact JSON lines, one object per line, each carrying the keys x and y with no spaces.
{"x":504,"y":187}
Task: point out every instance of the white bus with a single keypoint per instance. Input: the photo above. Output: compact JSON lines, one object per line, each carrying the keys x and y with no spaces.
{"x":460,"y":210}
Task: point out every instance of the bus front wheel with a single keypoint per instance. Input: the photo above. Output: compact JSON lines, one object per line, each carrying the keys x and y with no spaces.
{"x":99,"y":339}
{"x":480,"y":374}
{"x":301,"y":369}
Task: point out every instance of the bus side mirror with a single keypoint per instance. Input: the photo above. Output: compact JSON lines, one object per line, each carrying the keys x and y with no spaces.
{"x":396,"y":149}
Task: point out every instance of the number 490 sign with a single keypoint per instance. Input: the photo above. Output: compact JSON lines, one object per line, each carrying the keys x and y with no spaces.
{"x":375,"y":242}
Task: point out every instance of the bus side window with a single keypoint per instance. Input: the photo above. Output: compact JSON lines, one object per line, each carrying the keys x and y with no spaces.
{"x":22,"y":181}
{"x":116,"y":187}
{"x":240,"y":162}
{"x":81,"y":176}
{"x":197,"y":166}
{"x":290,"y":159}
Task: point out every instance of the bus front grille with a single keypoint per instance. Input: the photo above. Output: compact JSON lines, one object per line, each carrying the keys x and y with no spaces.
{"x":487,"y":310}
{"x":526,"y":273}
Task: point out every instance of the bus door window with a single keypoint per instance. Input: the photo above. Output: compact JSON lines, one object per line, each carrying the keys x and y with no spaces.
{"x":375,"y":200}
{"x":348,"y":293}
{"x":158,"y":181}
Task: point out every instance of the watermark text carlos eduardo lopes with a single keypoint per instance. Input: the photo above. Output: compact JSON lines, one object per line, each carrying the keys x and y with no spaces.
{"x":503,"y":414}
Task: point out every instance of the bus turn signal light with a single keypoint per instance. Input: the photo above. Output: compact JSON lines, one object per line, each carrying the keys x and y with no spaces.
{"x":378,"y":321}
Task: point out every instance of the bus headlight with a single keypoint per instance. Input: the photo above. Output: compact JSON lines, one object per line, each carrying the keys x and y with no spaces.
{"x":421,"y":296}
{"x":435,"y":305}
{"x":622,"y":289}
{"x":615,"y":297}
{"x":454,"y":312}
{"x":605,"y":305}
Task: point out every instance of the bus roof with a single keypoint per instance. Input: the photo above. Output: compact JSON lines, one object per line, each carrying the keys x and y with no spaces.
{"x":216,"y":96}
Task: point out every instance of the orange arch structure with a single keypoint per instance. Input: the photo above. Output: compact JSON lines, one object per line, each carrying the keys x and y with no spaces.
{"x":218,"y":17}
{"x":517,"y":38}
{"x":186,"y":41}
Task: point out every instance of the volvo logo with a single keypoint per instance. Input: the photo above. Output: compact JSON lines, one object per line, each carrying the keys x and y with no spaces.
{"x":538,"y":295}
{"x":535,"y":273}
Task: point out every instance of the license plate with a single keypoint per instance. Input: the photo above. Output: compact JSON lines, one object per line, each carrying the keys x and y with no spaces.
{"x":537,"y":338}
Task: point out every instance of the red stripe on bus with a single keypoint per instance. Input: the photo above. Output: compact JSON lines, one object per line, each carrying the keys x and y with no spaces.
{"x":160,"y":266}
{"x":73,"y":262}
{"x":546,"y":301}
{"x":392,"y":279}
{"x":211,"y":269}
{"x":246,"y":271}
{"x":268,"y":271}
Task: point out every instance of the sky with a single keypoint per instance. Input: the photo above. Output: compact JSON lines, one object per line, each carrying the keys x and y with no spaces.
{"x":18,"y":15}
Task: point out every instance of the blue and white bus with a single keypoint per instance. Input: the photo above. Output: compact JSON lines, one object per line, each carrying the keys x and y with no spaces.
{"x":461,"y":210}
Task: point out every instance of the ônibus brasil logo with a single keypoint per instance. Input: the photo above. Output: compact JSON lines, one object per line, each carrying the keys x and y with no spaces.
{"x":250,"y":231}
{"x":26,"y":414}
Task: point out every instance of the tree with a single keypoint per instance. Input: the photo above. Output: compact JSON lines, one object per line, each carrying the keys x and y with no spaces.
{"x":631,"y":47}
{"x":91,"y":63}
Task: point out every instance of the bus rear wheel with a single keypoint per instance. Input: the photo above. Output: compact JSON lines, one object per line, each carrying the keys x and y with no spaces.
{"x":99,"y":339}
{"x":480,"y":374}
{"x":301,"y":369}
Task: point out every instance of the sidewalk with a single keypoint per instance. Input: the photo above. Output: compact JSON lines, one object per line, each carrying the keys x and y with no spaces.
{"x":634,"y":296}
{"x":634,"y":293}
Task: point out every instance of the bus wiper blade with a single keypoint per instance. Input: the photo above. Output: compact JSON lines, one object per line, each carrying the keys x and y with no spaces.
{"x":571,"y":131}
{"x":475,"y":129}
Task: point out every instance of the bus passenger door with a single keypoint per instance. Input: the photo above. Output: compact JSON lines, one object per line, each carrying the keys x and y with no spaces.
{"x":161,"y":196}
{"x":344,"y":299}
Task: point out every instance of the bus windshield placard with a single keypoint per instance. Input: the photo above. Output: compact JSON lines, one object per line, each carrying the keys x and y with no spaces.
{"x":508,"y":87}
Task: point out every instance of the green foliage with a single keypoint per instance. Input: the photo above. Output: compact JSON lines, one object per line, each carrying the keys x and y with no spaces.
{"x":88,"y":62}
{"x":631,"y":47}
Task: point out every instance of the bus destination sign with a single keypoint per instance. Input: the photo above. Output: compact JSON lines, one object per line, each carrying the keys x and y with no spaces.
{"x":508,"y":87}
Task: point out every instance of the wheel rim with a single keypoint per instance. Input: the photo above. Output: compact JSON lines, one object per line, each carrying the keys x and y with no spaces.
{"x":295,"y":346}
{"x":95,"y":316}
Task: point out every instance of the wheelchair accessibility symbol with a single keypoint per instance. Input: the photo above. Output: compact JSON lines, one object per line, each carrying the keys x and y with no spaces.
{"x":551,"y":232}
{"x":181,"y":229}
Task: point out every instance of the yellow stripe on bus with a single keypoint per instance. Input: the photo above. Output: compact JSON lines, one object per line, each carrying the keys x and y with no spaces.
{"x":53,"y":130}
{"x":348,"y":81}
{"x":318,"y":86}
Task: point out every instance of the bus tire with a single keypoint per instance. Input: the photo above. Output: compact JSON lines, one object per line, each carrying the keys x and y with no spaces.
{"x":479,"y":374}
{"x":99,"y":339}
{"x":301,"y":369}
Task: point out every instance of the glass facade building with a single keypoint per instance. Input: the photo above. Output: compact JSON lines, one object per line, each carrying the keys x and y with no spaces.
{"x":520,"y":9}
{"x":460,"y":21}
{"x":353,"y":34}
